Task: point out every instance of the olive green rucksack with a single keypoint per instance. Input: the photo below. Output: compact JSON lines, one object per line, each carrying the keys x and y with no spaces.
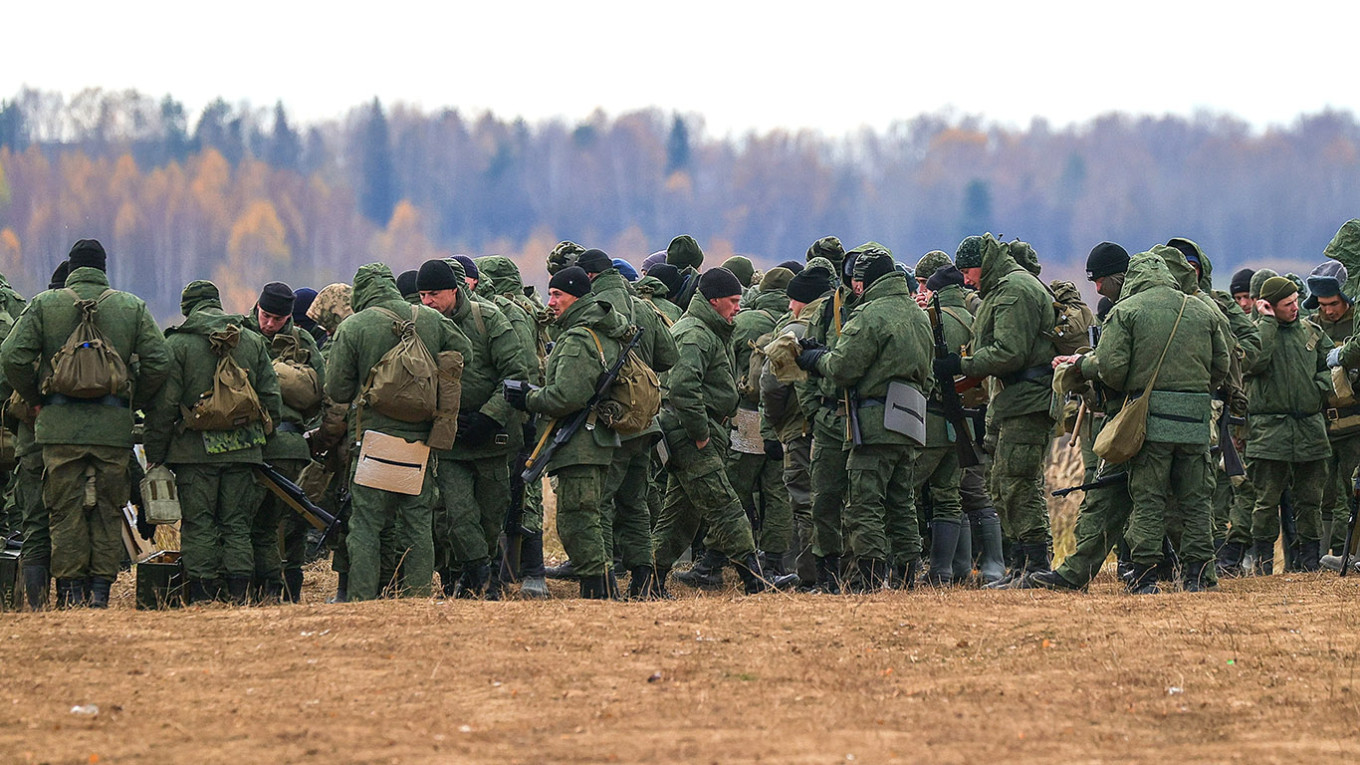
{"x":87,"y":365}
{"x":635,"y":397}
{"x":299,"y":384}
{"x":1072,"y":318}
{"x":404,"y":384}
{"x":231,"y":403}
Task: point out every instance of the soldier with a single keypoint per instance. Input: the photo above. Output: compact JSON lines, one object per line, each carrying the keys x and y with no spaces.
{"x":85,"y":440}
{"x":1010,"y":343}
{"x":474,"y":476}
{"x":1173,"y":465}
{"x":701,"y":395}
{"x":627,"y":525}
{"x":590,"y":339}
{"x":742,"y":268}
{"x":659,"y":287}
{"x":303,"y":297}
{"x":273,"y":318}
{"x":885,"y":346}
{"x":355,"y":349}
{"x":1240,"y":288}
{"x":1336,"y":318}
{"x":1287,"y":389}
{"x":406,"y":285}
{"x":218,"y":493}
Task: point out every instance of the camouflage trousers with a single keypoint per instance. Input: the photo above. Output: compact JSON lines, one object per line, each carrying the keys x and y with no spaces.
{"x":386,"y":526}
{"x":26,"y":488}
{"x":759,"y":484}
{"x":830,"y":482}
{"x":1341,"y":467}
{"x":1305,"y":481}
{"x":627,"y":523}
{"x":580,"y":517}
{"x":798,"y":484}
{"x":277,"y":532}
{"x":1017,"y":477}
{"x":470,"y":510}
{"x":1101,"y":521}
{"x":882,"y":495}
{"x":1239,"y":513}
{"x":85,"y":489}
{"x":694,"y":498}
{"x":1171,"y":484}
{"x":937,"y":469}
{"x":219,"y":503}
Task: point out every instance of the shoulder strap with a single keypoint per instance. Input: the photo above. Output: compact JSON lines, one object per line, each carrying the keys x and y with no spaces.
{"x":660,"y":314}
{"x":1153,"y":380}
{"x":598,"y":346}
{"x":477,"y":316}
{"x":957,"y":318}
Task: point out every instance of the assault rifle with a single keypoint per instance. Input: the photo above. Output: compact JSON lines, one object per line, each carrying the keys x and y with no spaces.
{"x":542,"y":454}
{"x":1232,"y":461}
{"x":951,"y":405}
{"x":1109,"y":479}
{"x":294,"y":497}
{"x":511,"y":541}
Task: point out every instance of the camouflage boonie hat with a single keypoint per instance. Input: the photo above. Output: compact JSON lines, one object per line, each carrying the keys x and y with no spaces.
{"x":564,"y":255}
{"x":828,"y":247}
{"x":332,"y":306}
{"x":1259,"y":278}
{"x":969,"y":253}
{"x":931,"y":262}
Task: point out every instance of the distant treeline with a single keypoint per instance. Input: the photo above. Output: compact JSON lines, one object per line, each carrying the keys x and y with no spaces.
{"x":241,"y":195}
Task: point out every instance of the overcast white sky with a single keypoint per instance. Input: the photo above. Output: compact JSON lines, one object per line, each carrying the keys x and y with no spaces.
{"x":831,"y":66}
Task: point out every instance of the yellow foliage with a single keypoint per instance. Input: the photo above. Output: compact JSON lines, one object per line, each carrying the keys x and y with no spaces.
{"x":258,"y":236}
{"x":11,"y":254}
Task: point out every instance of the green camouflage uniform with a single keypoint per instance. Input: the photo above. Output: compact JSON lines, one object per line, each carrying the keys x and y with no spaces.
{"x":81,"y":439}
{"x":382,"y":522}
{"x":793,"y":427}
{"x":1345,"y":440}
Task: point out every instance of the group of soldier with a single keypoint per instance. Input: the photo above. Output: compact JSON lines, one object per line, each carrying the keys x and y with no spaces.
{"x":840,"y":422}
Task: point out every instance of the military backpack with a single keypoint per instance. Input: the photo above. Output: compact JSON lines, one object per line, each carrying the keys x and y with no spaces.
{"x":299,"y":384}
{"x":231,"y":403}
{"x":635,"y":397}
{"x":87,"y":365}
{"x":404,"y":384}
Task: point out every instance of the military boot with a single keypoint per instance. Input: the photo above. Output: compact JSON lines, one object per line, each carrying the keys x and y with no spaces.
{"x":873,"y":575}
{"x":1016,"y":571}
{"x":1196,"y":578}
{"x":1038,"y":556}
{"x":992,"y":563}
{"x":611,"y":580}
{"x":1309,"y":552}
{"x":566,"y":572}
{"x":70,"y":593}
{"x":641,"y":583}
{"x":1265,"y":557}
{"x":238,"y":588}
{"x":706,"y":571}
{"x":754,"y":579}
{"x":341,"y":590}
{"x":962,"y":565}
{"x":1166,"y":570}
{"x":1144,"y":580}
{"x":472,"y":582}
{"x":1045,"y":580}
{"x":199,"y":592}
{"x":594,"y":587}
{"x":944,"y":544}
{"x":533,"y":585}
{"x":1230,"y":559}
{"x":99,"y":591}
{"x":660,"y":592}
{"x":773,"y":563}
{"x":37,"y":581}
{"x":292,"y":584}
{"x":828,"y":574}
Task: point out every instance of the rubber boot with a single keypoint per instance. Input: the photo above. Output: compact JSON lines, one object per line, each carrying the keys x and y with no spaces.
{"x":566,"y":572}
{"x":962,"y":565}
{"x":199,"y":592}
{"x":611,"y":581}
{"x":99,"y":591}
{"x":471,"y":583}
{"x":594,"y":587}
{"x":238,"y":589}
{"x":1333,"y":563}
{"x":1016,"y":570}
{"x":70,"y":593}
{"x":1310,"y":551}
{"x":706,"y":571}
{"x":944,"y":544}
{"x":992,"y":564}
{"x":1166,"y":570}
{"x":1194,"y":579}
{"x":1265,"y":557}
{"x":1143,"y":581}
{"x":641,"y":583}
{"x":828,"y":574}
{"x":37,"y":581}
{"x":1230,"y":559}
{"x":292,"y":584}
{"x":341,"y":590}
{"x":873,"y":575}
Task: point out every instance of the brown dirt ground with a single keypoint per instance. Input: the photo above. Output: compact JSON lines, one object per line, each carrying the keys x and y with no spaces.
{"x":1263,"y":671}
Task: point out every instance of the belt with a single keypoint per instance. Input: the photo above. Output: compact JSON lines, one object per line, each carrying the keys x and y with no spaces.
{"x":1295,"y":414}
{"x":1024,"y":375}
{"x":57,"y":399}
{"x":287,"y":427}
{"x":872,"y":402}
{"x":831,"y":402}
{"x":1337,"y":413}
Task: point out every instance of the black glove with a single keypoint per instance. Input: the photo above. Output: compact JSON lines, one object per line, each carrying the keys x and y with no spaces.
{"x":948,"y":367}
{"x":808,"y":343}
{"x":808,"y":359}
{"x":145,"y":529}
{"x":774,"y":450}
{"x":517,"y":393}
{"x":475,"y":428}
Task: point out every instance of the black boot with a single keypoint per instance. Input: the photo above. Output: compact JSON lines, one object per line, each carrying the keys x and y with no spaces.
{"x":944,"y":543}
{"x":99,"y":591}
{"x":641,"y":583}
{"x":611,"y":581}
{"x":70,"y":593}
{"x":1143,"y":581}
{"x":36,"y":583}
{"x":1230,"y":559}
{"x":238,"y":588}
{"x":873,"y":575}
{"x":828,"y":574}
{"x":660,"y":592}
{"x":1038,"y":557}
{"x":1265,"y":557}
{"x":706,"y":571}
{"x":566,"y":571}
{"x":991,"y":562}
{"x":1310,"y":554}
{"x":199,"y":592}
{"x":594,"y":587}
{"x":1016,"y":570}
{"x":773,"y":564}
{"x":341,"y":589}
{"x":962,"y":565}
{"x":471,"y":583}
{"x":1166,"y":570}
{"x":292,"y":584}
{"x":1045,"y":580}
{"x":1197,"y":577}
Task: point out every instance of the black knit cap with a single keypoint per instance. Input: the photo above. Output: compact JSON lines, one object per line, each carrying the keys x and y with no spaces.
{"x":595,"y":261}
{"x":87,"y":253}
{"x":435,"y":275}
{"x":469,"y":267}
{"x":795,"y":266}
{"x":276,"y":298}
{"x":59,"y":276}
{"x":1103,"y":308}
{"x":669,"y":275}
{"x":1106,"y":259}
{"x":406,"y":284}
{"x":809,"y":284}
{"x":573,"y":281}
{"x":943,"y":277}
{"x":718,"y":283}
{"x":1241,"y":281}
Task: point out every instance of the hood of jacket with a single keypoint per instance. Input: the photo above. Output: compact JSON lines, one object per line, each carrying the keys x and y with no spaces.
{"x":503,"y":274}
{"x":373,"y":285}
{"x":597,"y":315}
{"x":1206,"y":267}
{"x":997,"y":264}
{"x":1187,"y":280}
{"x":1148,"y":270}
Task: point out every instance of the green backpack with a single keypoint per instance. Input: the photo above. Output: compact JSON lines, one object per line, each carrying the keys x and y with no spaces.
{"x":231,"y":403}
{"x":635,"y":397}
{"x":87,"y":365}
{"x":404,"y":384}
